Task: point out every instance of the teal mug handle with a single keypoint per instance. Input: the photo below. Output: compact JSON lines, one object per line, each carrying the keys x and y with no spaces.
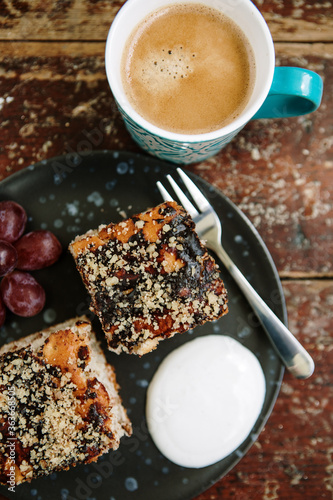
{"x":294,"y":92}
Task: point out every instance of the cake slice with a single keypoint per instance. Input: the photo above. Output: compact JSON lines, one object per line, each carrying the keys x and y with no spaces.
{"x":59,"y":402}
{"x":149,"y":277}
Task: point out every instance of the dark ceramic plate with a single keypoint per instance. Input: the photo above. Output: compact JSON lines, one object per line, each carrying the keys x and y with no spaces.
{"x":71,"y":194}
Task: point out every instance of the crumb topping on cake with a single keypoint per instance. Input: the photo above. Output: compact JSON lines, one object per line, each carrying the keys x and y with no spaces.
{"x":149,"y":277}
{"x":63,"y":413}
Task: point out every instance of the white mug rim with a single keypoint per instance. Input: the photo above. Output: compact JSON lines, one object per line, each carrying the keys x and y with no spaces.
{"x":226,"y":130}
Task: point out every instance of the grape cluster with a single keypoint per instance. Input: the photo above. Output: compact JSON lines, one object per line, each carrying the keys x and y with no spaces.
{"x":19,"y":253}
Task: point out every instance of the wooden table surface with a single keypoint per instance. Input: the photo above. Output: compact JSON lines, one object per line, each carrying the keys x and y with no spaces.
{"x":279,"y":172}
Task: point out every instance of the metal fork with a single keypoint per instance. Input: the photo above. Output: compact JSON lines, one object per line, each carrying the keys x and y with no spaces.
{"x":208,"y":226}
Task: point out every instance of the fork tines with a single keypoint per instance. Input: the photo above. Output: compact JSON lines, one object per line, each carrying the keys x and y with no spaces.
{"x":193,"y":190}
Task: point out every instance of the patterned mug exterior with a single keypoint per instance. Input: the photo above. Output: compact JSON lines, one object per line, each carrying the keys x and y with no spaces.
{"x":172,"y":150}
{"x":277,"y":93}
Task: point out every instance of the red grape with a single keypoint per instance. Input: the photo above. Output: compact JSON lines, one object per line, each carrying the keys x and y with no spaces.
{"x":22,"y":294}
{"x":13,"y":219}
{"x":37,"y":249}
{"x":2,"y":312}
{"x":8,"y":257}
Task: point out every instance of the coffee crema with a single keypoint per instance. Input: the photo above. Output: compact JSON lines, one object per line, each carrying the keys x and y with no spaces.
{"x":188,"y":69}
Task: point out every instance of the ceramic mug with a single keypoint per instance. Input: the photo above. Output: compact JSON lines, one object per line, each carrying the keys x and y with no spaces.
{"x":278,"y":92}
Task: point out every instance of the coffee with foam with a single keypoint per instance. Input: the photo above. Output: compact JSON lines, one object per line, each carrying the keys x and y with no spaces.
{"x":188,"y":69}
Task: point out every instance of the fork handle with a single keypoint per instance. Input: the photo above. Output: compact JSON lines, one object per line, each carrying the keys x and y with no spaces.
{"x":296,"y":359}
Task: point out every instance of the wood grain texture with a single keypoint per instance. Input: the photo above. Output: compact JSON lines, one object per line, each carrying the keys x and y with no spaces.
{"x":56,"y":19}
{"x":299,"y":20}
{"x":90,"y":19}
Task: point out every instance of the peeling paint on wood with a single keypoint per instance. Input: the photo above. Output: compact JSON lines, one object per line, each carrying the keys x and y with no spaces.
{"x":88,"y":20}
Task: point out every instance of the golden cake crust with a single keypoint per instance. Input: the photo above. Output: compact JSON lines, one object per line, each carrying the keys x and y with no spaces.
{"x":59,"y":402}
{"x":149,"y":277}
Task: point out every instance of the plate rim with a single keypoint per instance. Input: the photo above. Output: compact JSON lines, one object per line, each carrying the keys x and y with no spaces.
{"x":43,"y":164}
